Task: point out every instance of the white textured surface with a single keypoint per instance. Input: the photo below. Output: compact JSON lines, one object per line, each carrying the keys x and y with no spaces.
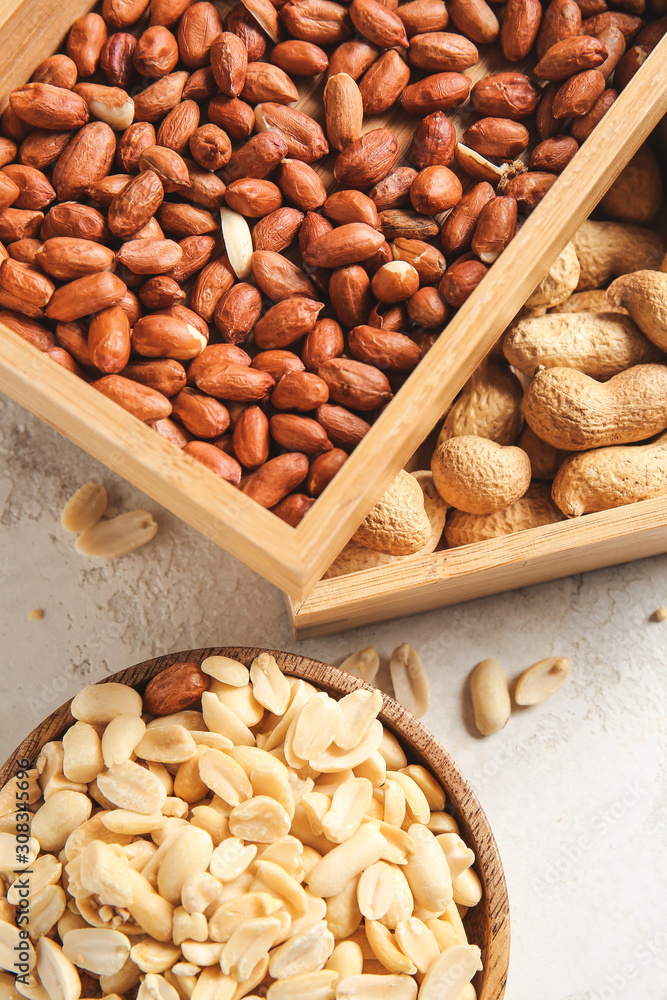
{"x":575,"y":790}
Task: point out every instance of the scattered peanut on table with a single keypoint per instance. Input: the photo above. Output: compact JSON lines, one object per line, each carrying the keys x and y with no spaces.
{"x":100,"y":537}
{"x":234,"y":830}
{"x":489,"y":687}
{"x":166,"y":234}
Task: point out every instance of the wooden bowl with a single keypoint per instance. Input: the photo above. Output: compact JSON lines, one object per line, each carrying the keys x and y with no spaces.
{"x":487,"y":924}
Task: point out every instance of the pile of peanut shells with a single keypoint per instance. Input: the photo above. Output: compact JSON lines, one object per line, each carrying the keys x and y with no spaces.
{"x":165,"y":233}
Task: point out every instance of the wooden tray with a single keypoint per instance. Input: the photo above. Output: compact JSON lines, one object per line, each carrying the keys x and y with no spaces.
{"x":295,"y":558}
{"x":470,"y":571}
{"x":487,"y":924}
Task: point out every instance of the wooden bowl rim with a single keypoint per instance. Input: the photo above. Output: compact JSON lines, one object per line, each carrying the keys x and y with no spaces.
{"x":492,"y":923}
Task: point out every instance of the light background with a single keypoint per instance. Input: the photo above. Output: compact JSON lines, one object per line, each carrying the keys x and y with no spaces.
{"x":575,"y":790}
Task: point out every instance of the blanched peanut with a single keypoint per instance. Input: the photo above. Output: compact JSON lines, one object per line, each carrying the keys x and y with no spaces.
{"x":121,"y":737}
{"x":85,"y":508}
{"x":154,"y":956}
{"x":240,"y":701}
{"x":392,"y":751}
{"x":542,"y":680}
{"x":48,"y":764}
{"x":11,"y":858}
{"x":334,"y":759}
{"x":459,"y":856}
{"x":429,"y":786}
{"x":453,"y":918}
{"x":349,"y":804}
{"x":202,"y":952}
{"x":58,"y":817}
{"x":303,"y":953}
{"x":125,"y":980}
{"x":450,"y":973}
{"x":360,"y":709}
{"x":315,"y":727}
{"x":442,"y":822}
{"x":375,"y":769}
{"x":45,"y":870}
{"x":387,"y":951}
{"x":251,"y":758}
{"x":269,"y":685}
{"x":490,"y":697}
{"x":199,"y":891}
{"x":231,"y":858}
{"x":82,"y":753}
{"x":220,"y":719}
{"x":213,"y":984}
{"x":98,"y":704}
{"x":156,"y":987}
{"x":315,"y":911}
{"x":443,"y":932}
{"x":276,"y":727}
{"x":371,"y":987}
{"x":248,"y":945}
{"x":57,"y":974}
{"x":130,"y":786}
{"x":288,"y":853}
{"x":100,"y":951}
{"x":427,"y":871}
{"x":10,"y":944}
{"x":363,"y":664}
{"x":104,"y":873}
{"x":278,"y":881}
{"x":343,"y":915}
{"x":376,"y":890}
{"x":117,"y":536}
{"x":188,"y":926}
{"x":46,"y":909}
{"x":345,"y":862}
{"x":189,"y":853}
{"x":412,"y":688}
{"x":399,"y":844}
{"x":260,"y":819}
{"x":269,"y":782}
{"x":467,"y":888}
{"x":346,"y":959}
{"x":311,"y":986}
{"x":415,"y":800}
{"x":226,"y":670}
{"x":230,"y":915}
{"x":188,"y":784}
{"x":394,"y":804}
{"x":224,"y":777}
{"x":166,"y":745}
{"x":213,"y":821}
{"x":417,"y":942}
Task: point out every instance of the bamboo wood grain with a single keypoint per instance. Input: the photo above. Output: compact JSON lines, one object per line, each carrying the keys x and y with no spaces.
{"x":471,"y":571}
{"x":29,"y":32}
{"x":294,"y":559}
{"x":487,"y":924}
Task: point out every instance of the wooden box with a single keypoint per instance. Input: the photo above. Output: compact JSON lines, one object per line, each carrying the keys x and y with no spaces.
{"x":295,"y":558}
{"x":462,"y":574}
